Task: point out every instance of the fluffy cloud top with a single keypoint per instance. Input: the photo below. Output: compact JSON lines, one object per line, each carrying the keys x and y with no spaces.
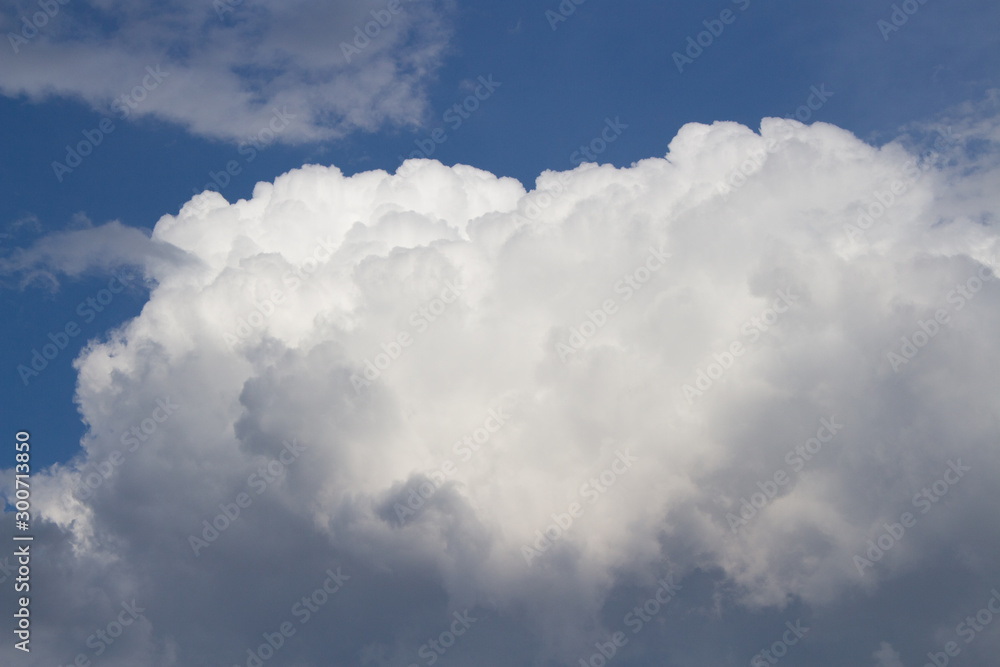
{"x":538,"y":406}
{"x":328,"y":68}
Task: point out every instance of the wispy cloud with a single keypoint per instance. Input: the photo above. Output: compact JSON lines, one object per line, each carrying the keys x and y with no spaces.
{"x":232,"y":64}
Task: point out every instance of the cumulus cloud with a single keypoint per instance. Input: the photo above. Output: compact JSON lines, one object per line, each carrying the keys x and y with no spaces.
{"x":731,"y":368}
{"x":310,"y":70}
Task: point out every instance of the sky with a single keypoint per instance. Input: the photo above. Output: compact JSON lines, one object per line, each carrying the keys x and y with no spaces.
{"x":413,"y":332}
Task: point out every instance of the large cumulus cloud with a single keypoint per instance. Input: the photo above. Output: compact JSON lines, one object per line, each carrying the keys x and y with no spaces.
{"x":440,"y":367}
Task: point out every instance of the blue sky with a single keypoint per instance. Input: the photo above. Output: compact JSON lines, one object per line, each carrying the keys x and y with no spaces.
{"x":536,"y":89}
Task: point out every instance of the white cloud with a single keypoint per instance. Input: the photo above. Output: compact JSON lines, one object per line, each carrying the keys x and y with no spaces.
{"x":256,"y":58}
{"x":86,"y":248}
{"x":326,"y":272}
{"x":886,"y":656}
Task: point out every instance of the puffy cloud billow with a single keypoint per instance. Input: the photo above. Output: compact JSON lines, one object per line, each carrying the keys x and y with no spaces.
{"x":691,"y":400}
